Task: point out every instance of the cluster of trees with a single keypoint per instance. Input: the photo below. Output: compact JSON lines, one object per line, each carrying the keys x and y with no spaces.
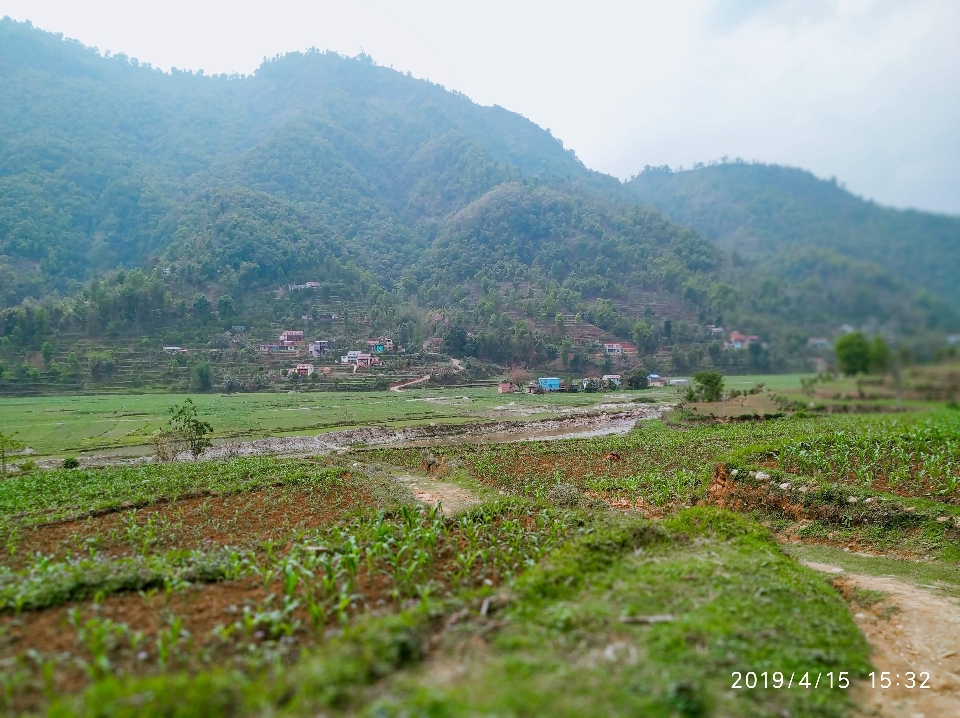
{"x":858,"y":355}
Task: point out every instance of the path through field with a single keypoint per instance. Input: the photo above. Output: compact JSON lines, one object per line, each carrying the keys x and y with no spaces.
{"x":401,"y":387}
{"x":912,"y":629}
{"x":452,"y":498}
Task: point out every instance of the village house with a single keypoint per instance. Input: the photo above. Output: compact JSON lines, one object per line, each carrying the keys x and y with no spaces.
{"x":655,"y":380}
{"x":304,"y":369}
{"x":318,"y":348}
{"x":715,"y":330}
{"x":175,"y":350}
{"x":739,"y":340}
{"x":505,"y":387}
{"x":818,"y":342}
{"x":613,"y":349}
{"x":269,"y":348}
{"x":611,"y":381}
{"x":550,"y":383}
{"x":380,"y":345}
{"x":359,"y":359}
{"x":238,"y":329}
{"x":291,"y":335}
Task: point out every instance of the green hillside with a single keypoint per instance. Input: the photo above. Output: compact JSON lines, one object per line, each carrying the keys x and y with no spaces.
{"x":140,"y":208}
{"x":776,"y":213}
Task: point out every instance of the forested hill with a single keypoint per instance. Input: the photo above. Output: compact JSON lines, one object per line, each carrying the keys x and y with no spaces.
{"x":98,"y":156}
{"x":777,"y":213}
{"x":395,"y":195}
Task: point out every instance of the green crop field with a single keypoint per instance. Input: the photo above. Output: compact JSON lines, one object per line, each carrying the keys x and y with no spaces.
{"x":56,"y":425}
{"x":632,"y":574}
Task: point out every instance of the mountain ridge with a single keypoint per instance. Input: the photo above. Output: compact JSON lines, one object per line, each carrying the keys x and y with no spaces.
{"x":394,"y":193}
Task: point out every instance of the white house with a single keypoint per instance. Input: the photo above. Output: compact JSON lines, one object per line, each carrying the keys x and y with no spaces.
{"x":305,"y":369}
{"x":359,"y":358}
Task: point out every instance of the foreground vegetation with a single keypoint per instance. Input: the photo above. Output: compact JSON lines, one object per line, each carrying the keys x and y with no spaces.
{"x":628,"y":573}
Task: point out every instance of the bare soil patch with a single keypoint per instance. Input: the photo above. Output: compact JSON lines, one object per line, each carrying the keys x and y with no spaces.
{"x":450,"y":497}
{"x":911,"y":629}
{"x":241,"y":519}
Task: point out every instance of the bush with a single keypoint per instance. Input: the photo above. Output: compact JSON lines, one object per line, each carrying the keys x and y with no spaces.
{"x":637,"y":379}
{"x":70,"y":463}
{"x":707,"y":386}
{"x":201,"y":376}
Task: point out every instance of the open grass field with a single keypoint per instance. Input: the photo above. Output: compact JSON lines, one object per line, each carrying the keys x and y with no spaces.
{"x":637,"y":574}
{"x":61,"y":425}
{"x":73,"y":424}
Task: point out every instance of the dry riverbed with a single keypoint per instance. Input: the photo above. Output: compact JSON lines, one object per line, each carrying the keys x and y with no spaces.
{"x":609,"y":418}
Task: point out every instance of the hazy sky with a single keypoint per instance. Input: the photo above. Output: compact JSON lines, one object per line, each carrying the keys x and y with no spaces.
{"x":864,"y":90}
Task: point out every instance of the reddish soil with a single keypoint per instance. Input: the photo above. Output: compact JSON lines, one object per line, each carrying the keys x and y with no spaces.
{"x":241,"y":519}
{"x":202,"y":608}
{"x":911,"y":629}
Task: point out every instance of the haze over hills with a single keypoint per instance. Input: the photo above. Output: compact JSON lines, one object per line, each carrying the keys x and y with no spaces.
{"x":772,"y":212}
{"x":396,"y":193}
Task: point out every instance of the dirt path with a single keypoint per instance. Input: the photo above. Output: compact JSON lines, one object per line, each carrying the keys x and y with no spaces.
{"x":452,"y":498}
{"x":400,"y":387}
{"x":912,"y":629}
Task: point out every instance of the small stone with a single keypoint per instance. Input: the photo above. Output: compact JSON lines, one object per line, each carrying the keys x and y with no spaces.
{"x":762,"y":475}
{"x":869,"y":500}
{"x":852,"y":500}
{"x":942,"y":519}
{"x":785,"y":485}
{"x":734,"y":472}
{"x":911,"y":509}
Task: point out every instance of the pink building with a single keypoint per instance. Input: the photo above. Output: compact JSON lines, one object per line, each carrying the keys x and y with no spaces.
{"x":291,"y":335}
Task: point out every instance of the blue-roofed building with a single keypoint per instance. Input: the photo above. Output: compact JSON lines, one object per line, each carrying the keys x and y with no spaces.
{"x":550,"y":383}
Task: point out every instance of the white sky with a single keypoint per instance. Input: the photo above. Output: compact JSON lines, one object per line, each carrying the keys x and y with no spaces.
{"x":864,"y":90}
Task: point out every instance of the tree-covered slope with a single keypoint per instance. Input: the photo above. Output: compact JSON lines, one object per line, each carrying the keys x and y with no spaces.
{"x":768,"y":211}
{"x":398,"y":197}
{"x":99,"y":156}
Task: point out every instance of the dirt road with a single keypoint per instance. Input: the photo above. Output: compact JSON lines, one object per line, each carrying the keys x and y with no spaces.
{"x":911,"y":629}
{"x":401,"y":387}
